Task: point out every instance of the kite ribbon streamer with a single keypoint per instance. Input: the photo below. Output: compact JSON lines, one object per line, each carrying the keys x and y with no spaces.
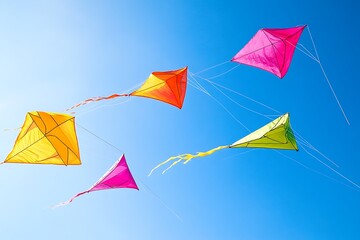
{"x":274,"y":135}
{"x":186,"y":158}
{"x":71,"y":199}
{"x":96,"y":99}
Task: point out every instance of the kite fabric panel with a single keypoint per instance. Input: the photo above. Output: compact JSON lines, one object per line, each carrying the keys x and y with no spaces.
{"x":271,"y":49}
{"x":118,"y":176}
{"x":46,"y":138}
{"x":274,"y":135}
{"x":168,"y":87}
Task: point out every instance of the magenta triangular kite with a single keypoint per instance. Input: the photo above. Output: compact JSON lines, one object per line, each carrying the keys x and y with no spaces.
{"x":118,"y":176}
{"x":271,"y":49}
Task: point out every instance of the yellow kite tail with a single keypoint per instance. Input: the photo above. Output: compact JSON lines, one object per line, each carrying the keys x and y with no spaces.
{"x":186,"y":158}
{"x":96,"y":99}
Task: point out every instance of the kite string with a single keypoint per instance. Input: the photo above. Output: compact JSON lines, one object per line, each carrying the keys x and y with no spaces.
{"x":227,"y":110}
{"x":341,"y":175}
{"x":227,"y":96}
{"x":309,"y":145}
{"x":327,"y":79}
{"x":306,"y":51}
{"x":240,"y":94}
{"x":161,"y":201}
{"x":223,"y":73}
{"x":103,"y":140}
{"x":212,"y":67}
{"x":315,"y":171}
{"x":194,"y":85}
{"x":191,"y":75}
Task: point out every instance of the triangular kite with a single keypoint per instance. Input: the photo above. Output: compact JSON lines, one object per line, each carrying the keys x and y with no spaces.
{"x":168,"y":87}
{"x":118,"y":176}
{"x":46,"y":138}
{"x":274,"y":135}
{"x":271,"y":49}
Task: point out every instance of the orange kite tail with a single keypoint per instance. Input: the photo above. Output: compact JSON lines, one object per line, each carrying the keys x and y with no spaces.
{"x":96,"y":99}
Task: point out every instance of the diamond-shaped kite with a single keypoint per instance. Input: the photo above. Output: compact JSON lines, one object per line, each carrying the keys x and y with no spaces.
{"x":271,"y":49}
{"x":46,"y":138}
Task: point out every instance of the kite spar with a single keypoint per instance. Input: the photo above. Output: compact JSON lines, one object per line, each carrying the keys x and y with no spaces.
{"x":274,"y":135}
{"x":168,"y":87}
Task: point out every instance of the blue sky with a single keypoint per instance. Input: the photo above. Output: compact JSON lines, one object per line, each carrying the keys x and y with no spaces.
{"x":57,"y":53}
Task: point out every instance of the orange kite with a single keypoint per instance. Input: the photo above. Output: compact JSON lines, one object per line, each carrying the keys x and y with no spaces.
{"x":168,"y":87}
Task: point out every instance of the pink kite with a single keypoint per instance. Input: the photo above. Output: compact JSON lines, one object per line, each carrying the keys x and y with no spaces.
{"x":118,"y":176}
{"x":271,"y":49}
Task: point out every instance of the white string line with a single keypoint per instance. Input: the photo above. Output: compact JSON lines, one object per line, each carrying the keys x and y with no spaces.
{"x":309,"y":145}
{"x":194,"y":86}
{"x":214,"y":66}
{"x":308,"y":51}
{"x":327,"y":79}
{"x":161,"y":201}
{"x":314,"y":149}
{"x":301,"y":50}
{"x":240,"y":94}
{"x":250,"y":110}
{"x":142,"y":182}
{"x":315,"y":171}
{"x":196,"y":83}
{"x":347,"y":179}
{"x":201,"y":88}
{"x":228,"y":111}
{"x":221,"y":74}
{"x":238,"y":154}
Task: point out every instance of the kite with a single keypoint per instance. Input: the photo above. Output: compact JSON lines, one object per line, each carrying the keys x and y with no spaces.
{"x":46,"y":138}
{"x":271,"y":49}
{"x":168,"y":87}
{"x":118,"y":176}
{"x":274,"y":135}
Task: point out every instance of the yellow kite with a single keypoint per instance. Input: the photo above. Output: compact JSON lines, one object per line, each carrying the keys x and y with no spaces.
{"x":276,"y":135}
{"x":46,"y":138}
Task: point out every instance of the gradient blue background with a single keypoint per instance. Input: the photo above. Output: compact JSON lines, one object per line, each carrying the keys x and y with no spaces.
{"x":54,"y":54}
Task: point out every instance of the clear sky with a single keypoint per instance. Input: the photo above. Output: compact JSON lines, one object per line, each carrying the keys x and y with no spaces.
{"x":54,"y":54}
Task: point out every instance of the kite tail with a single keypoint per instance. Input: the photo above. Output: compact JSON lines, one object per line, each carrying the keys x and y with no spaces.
{"x":186,"y":158}
{"x":96,"y":99}
{"x":70,"y":200}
